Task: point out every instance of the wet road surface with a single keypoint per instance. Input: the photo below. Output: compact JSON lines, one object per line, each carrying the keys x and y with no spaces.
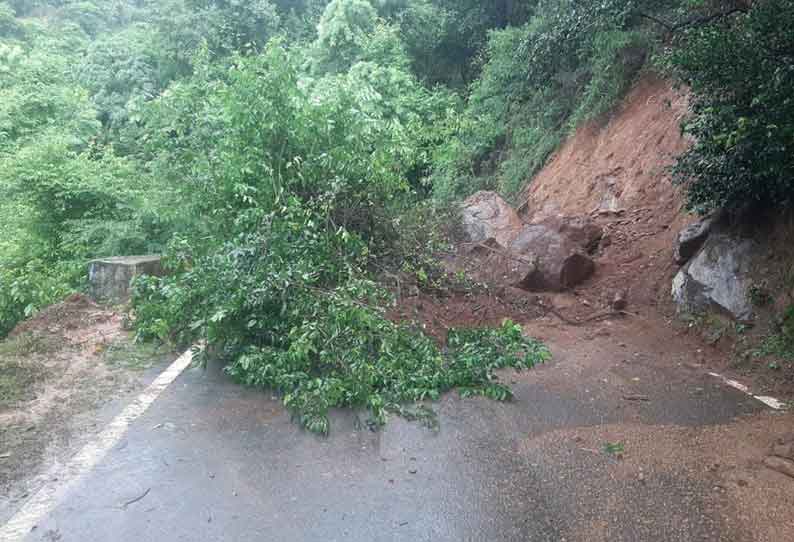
{"x":210,"y":461}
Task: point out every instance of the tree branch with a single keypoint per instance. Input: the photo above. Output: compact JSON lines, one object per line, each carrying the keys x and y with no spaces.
{"x":708,"y":19}
{"x":694,"y":21}
{"x":660,"y":22}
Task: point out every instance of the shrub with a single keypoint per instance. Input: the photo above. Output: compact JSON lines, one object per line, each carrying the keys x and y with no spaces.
{"x":342,"y":34}
{"x":301,"y":182}
{"x":27,"y":287}
{"x":741,"y":73}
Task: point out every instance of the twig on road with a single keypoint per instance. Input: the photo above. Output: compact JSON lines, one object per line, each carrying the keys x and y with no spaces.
{"x":643,"y":398}
{"x":136,"y":499}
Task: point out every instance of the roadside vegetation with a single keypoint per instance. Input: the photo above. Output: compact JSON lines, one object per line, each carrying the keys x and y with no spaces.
{"x":284,"y":154}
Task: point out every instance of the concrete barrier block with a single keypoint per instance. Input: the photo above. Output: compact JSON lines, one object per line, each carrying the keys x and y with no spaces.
{"x":110,"y":278}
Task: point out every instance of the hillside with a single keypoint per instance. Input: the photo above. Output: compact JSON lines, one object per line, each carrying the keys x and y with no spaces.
{"x":615,"y":173}
{"x":615,"y":170}
{"x":493,"y":271}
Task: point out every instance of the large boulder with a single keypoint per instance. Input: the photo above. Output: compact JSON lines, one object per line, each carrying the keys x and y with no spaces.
{"x":496,"y":264}
{"x":718,"y":277}
{"x":558,"y":249}
{"x":552,"y":255}
{"x":486,"y":216}
{"x":691,"y":239}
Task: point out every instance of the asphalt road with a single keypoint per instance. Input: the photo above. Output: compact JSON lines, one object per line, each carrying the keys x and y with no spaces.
{"x":210,"y":461}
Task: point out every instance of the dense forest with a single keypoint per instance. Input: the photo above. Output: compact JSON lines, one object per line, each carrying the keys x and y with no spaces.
{"x":287,"y":155}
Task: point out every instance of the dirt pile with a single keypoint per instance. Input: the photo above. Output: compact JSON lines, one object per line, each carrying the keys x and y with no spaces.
{"x":77,"y":320}
{"x":601,"y":218}
{"x":603,"y":201}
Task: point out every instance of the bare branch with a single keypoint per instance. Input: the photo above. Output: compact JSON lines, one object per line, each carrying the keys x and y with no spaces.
{"x":708,"y":19}
{"x":660,"y":22}
{"x":694,"y":21}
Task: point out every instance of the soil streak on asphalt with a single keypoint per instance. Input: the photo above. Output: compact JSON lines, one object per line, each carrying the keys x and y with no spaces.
{"x":217,"y":462}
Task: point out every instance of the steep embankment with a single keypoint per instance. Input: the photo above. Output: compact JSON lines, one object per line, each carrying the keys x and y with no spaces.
{"x":615,"y":170}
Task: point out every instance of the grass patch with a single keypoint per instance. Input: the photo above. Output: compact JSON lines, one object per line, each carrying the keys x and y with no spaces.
{"x":17,"y":380}
{"x":135,"y":356}
{"x":27,"y":345}
{"x":778,"y":346}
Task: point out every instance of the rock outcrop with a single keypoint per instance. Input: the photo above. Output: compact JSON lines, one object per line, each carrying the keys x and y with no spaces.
{"x":552,"y":255}
{"x":719,"y":276}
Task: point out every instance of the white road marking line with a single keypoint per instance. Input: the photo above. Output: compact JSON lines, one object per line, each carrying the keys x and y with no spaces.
{"x":771,"y":402}
{"x":64,"y":478}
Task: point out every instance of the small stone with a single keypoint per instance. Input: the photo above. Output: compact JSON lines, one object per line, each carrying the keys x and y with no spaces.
{"x":785,"y":451}
{"x":620,"y":301}
{"x":778,"y":464}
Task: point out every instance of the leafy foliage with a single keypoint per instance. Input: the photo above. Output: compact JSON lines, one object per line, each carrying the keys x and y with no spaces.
{"x":343,"y":28}
{"x":741,"y":71}
{"x":8,"y":22}
{"x":121,"y":73}
{"x":445,"y":37}
{"x":364,"y":360}
{"x":571,"y":62}
{"x":28,"y":285}
{"x":300,"y":181}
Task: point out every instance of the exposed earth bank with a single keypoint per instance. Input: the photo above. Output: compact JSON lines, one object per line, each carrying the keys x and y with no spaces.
{"x":729,"y":282}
